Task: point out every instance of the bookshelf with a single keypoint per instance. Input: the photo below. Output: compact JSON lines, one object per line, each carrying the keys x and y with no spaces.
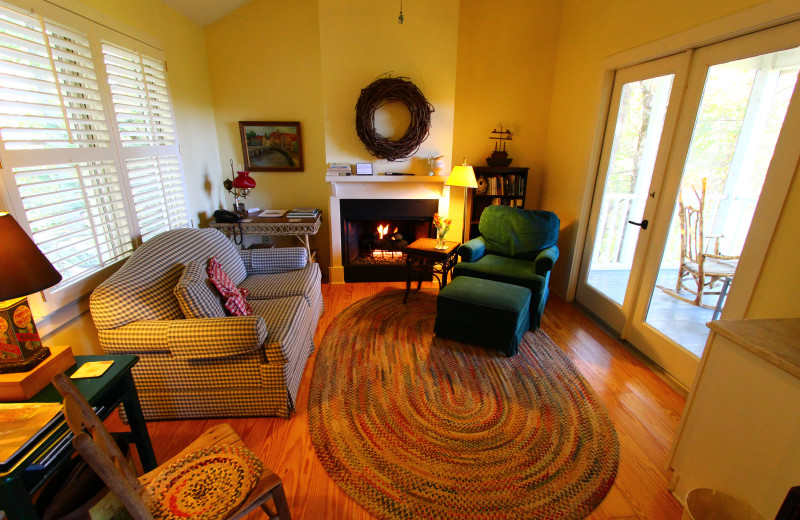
{"x":505,"y":186}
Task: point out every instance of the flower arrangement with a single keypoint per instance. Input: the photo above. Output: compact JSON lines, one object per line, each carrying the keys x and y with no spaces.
{"x":442,"y":226}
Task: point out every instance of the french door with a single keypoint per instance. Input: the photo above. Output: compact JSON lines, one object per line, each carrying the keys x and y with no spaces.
{"x":709,"y":117}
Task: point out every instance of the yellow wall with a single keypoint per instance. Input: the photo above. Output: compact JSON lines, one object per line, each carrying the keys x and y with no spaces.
{"x":361,"y":40}
{"x":264,"y":63}
{"x":184,"y":45}
{"x":310,"y":65}
{"x":778,"y":287}
{"x":532,"y":66}
{"x":506,"y":65}
{"x":589,"y":33}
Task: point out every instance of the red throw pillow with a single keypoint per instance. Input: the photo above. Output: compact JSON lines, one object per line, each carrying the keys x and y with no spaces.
{"x":235,"y":298}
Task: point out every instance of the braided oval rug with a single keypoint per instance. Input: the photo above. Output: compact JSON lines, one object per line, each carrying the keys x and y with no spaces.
{"x":413,"y":426}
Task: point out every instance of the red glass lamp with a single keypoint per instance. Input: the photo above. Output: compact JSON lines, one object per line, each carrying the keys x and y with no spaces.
{"x":24,"y":270}
{"x":240,"y":187}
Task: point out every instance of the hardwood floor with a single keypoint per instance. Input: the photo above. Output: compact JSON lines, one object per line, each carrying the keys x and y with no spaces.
{"x":645,"y":411}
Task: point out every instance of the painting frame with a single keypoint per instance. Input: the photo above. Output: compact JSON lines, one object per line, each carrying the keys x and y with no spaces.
{"x":272,"y":146}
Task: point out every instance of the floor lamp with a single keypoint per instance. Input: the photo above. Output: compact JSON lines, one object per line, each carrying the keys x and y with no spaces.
{"x":463,"y":176}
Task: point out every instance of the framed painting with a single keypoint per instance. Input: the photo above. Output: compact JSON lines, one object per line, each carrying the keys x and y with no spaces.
{"x":271,"y":146}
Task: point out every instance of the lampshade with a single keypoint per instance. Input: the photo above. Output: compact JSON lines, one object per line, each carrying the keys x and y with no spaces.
{"x":244,"y":181}
{"x":462,"y":175}
{"x":24,"y":269}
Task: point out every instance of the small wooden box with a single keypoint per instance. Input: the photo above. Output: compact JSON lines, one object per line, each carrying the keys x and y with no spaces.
{"x":21,"y":386}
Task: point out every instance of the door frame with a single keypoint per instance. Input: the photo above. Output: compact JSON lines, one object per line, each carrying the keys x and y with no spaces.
{"x":678,"y":65}
{"x":776,"y":187}
{"x":754,"y":19}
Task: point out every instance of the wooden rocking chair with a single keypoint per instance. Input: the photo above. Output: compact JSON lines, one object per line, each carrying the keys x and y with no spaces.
{"x":106,"y":459}
{"x":704,"y":269}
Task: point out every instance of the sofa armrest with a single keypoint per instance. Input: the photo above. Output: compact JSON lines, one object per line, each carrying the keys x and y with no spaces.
{"x":274,"y":260}
{"x":545,"y":260}
{"x":473,"y":250}
{"x":203,"y":338}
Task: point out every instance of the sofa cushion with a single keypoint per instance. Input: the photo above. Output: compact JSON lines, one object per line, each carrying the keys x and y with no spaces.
{"x":502,"y":269}
{"x":235,"y":298}
{"x":518,"y":233}
{"x":142,"y":289}
{"x":196,"y":295}
{"x":302,"y":282}
{"x":288,"y":321}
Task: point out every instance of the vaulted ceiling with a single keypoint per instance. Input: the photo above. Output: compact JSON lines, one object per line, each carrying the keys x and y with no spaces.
{"x":205,"y":12}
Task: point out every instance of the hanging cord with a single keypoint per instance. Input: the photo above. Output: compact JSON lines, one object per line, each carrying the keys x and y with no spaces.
{"x":401,"y":18}
{"x":241,"y":235}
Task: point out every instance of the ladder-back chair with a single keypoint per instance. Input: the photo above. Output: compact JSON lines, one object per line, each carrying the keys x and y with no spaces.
{"x":700,"y":271}
{"x":137,"y":495}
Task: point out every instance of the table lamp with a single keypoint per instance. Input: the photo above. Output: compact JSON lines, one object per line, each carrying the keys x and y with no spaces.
{"x":24,"y":270}
{"x":463,"y":176}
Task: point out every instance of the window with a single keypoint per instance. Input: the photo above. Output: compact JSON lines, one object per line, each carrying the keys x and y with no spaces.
{"x":90,"y":159}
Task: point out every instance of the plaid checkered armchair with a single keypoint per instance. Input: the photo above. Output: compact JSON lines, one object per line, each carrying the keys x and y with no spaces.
{"x":194,"y":360}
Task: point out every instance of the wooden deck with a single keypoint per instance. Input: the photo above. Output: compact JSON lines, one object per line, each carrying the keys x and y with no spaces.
{"x":682,"y":322}
{"x":644,"y":408}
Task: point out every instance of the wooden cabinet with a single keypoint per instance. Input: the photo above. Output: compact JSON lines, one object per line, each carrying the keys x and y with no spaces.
{"x":741,"y":424}
{"x":504,"y":186}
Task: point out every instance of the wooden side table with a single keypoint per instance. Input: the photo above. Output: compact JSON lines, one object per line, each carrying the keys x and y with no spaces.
{"x":21,"y":476}
{"x":301,"y":228}
{"x":422,"y":257}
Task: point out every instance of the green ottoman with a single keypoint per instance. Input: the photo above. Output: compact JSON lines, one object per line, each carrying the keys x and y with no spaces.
{"x":483,"y":312}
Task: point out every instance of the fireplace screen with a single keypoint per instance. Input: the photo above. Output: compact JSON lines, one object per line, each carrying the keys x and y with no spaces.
{"x":374,"y":233}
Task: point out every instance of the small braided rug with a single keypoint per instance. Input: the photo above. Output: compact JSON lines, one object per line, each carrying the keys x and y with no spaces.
{"x":413,"y":426}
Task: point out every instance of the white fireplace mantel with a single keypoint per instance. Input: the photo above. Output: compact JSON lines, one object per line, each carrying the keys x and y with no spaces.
{"x":377,"y":187}
{"x":369,"y":179}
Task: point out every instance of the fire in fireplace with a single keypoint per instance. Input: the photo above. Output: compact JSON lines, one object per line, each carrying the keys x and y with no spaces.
{"x":374,"y":232}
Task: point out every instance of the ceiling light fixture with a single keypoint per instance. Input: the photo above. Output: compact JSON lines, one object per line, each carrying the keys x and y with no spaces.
{"x":401,"y":18}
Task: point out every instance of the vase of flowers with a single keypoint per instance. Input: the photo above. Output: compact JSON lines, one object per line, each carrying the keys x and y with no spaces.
{"x":442,"y":227}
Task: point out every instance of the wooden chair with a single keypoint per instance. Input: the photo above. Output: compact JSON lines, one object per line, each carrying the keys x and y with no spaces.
{"x":704,"y":269}
{"x":106,"y":459}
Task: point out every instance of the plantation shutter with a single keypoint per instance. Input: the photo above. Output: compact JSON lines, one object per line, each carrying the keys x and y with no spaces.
{"x":90,"y":159}
{"x":143,"y":112}
{"x":51,"y":108}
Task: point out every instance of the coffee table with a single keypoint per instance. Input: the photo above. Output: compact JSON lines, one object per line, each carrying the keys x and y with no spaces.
{"x":422,"y":258}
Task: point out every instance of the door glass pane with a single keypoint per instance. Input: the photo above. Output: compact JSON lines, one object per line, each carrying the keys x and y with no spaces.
{"x":643,"y":106}
{"x":737,"y":126}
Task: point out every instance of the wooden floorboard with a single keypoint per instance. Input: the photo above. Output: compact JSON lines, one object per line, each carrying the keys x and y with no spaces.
{"x":645,"y":410}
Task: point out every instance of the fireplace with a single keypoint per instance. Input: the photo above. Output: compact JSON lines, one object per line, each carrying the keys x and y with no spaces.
{"x":374,"y":231}
{"x":404,"y":193}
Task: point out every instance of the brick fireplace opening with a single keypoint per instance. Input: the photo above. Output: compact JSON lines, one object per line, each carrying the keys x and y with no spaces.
{"x":374,"y":231}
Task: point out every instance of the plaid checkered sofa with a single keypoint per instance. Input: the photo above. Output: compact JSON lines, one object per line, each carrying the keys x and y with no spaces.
{"x":215,"y":366}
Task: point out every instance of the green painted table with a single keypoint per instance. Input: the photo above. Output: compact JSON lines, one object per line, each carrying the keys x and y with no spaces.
{"x":22,"y":475}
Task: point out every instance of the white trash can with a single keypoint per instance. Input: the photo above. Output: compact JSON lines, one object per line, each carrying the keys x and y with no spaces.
{"x":710,"y":504}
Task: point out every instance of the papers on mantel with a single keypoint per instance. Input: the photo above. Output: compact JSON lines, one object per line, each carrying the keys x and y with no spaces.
{"x":22,"y":424}
{"x":273,"y":213}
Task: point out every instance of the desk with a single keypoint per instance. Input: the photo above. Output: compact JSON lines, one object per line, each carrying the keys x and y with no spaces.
{"x":280,"y":226}
{"x":423,"y":257}
{"x":26,"y":473}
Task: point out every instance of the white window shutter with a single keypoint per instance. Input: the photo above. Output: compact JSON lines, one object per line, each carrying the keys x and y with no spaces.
{"x":90,"y":159}
{"x":48,"y":86}
{"x":149,"y":151}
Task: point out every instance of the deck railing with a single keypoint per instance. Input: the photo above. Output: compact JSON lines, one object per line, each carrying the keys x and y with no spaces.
{"x":614,"y":247}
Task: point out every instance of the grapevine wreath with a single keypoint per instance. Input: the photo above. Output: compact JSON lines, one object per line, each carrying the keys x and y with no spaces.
{"x":386,"y":90}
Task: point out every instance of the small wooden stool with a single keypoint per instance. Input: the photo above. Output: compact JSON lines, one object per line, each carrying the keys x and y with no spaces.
{"x":483,"y":312}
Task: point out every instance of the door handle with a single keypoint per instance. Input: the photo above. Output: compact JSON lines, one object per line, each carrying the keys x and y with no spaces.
{"x":643,"y":224}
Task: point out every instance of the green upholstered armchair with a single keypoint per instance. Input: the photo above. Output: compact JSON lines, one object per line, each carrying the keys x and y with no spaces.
{"x":516,"y":246}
